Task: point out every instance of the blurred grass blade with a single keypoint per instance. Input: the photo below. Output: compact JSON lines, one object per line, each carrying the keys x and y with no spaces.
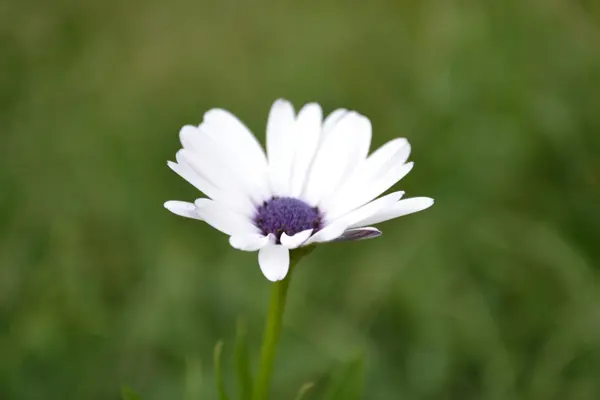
{"x":218,"y":372}
{"x":128,"y":394}
{"x":242,"y":361}
{"x":304,"y":389}
{"x":348,"y":383}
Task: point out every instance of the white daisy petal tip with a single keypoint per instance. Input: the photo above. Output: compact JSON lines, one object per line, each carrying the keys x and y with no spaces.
{"x":297,"y":240}
{"x":415,"y":204}
{"x":281,"y":102}
{"x":182,"y":208}
{"x":355,"y":218}
{"x":427,"y":202}
{"x":399,"y":209}
{"x":281,"y":110}
{"x":186,"y":134}
{"x":274,"y":262}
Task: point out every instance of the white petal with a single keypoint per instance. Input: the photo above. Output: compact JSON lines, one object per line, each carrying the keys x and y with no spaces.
{"x":344,"y":149}
{"x":216,"y":164}
{"x":330,"y":122}
{"x":399,"y":209}
{"x":231,"y":194}
{"x":393,"y":153}
{"x":355,"y":218}
{"x":291,"y":242}
{"x":207,"y":163}
{"x":385,"y":182}
{"x":188,"y":135}
{"x":280,"y":128}
{"x":240,"y":149}
{"x":222,"y":165}
{"x":390,"y":156}
{"x":228,"y":130}
{"x":307,"y":130}
{"x":223,"y":218}
{"x":249,"y":242}
{"x":359,"y":234}
{"x":197,"y":180}
{"x":377,"y":187}
{"x":329,"y":233}
{"x":274,"y":261}
{"x":182,"y":208}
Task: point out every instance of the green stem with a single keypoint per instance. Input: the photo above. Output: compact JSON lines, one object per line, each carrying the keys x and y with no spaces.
{"x":271,"y":337}
{"x":273,"y":327}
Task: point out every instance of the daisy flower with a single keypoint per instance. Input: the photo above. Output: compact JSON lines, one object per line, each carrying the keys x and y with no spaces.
{"x":316,"y":183}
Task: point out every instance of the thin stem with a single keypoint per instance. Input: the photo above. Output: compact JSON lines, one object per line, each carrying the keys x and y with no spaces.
{"x":273,"y":327}
{"x":271,"y":337}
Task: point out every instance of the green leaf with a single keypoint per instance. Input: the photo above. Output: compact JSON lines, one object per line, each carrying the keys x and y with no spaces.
{"x":218,"y":374}
{"x":304,"y":389}
{"x":242,"y":361}
{"x":348,"y":384}
{"x":128,"y":394}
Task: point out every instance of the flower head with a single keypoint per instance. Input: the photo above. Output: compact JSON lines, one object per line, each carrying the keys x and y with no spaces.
{"x":316,"y":183}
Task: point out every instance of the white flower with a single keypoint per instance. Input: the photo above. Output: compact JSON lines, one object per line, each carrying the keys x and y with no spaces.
{"x":316,"y":183}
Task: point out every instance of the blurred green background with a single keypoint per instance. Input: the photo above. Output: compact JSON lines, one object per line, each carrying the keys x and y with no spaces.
{"x":491,"y":294}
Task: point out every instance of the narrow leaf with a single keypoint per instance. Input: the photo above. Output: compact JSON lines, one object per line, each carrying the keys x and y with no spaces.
{"x":304,"y":389}
{"x":242,"y":361}
{"x":349,"y":382}
{"x":218,"y":374}
{"x":128,"y":394}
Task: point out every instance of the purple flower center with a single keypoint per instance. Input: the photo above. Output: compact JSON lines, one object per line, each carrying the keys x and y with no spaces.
{"x":287,"y":214}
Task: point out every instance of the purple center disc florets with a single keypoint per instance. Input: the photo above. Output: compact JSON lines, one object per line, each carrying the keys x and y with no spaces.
{"x":286,"y":214}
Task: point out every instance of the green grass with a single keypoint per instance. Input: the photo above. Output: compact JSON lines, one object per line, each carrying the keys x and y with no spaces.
{"x":491,"y":294}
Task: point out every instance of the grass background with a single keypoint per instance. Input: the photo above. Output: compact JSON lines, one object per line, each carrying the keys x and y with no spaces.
{"x":491,"y":294}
